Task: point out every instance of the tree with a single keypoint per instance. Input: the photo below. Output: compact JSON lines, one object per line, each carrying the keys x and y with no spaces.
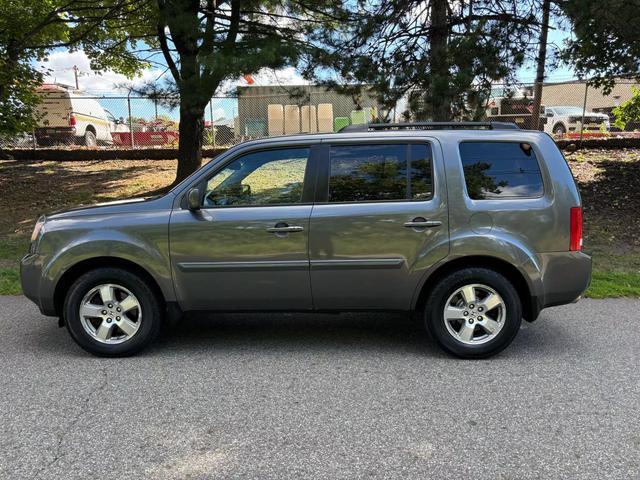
{"x":606,"y":40}
{"x":628,"y":111}
{"x":207,"y":42}
{"x":29,"y":30}
{"x":442,"y":55}
{"x":541,"y":64}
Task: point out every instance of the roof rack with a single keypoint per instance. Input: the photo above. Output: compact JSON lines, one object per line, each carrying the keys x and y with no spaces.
{"x":366,"y":127}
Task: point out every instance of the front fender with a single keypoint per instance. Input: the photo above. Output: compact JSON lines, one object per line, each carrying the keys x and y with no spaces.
{"x":124,"y":245}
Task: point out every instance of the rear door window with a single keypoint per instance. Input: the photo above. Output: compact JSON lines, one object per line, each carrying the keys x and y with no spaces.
{"x":495,"y":170}
{"x":376,"y":172}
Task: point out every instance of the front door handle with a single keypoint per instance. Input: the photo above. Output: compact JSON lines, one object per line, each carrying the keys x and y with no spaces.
{"x":284,"y":228}
{"x":420,"y":222}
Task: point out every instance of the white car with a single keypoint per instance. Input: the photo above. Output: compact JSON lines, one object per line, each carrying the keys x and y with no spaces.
{"x":566,"y":119}
{"x":67,"y":116}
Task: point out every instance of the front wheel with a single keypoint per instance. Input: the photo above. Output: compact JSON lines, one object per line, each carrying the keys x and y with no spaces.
{"x":112,"y":312}
{"x":473,"y":313}
{"x":559,"y":129}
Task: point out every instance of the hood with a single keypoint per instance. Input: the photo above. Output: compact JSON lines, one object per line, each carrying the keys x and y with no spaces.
{"x":116,"y":207}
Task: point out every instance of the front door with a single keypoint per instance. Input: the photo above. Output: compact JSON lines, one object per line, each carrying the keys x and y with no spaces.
{"x":380,"y":223}
{"x":246,"y":248}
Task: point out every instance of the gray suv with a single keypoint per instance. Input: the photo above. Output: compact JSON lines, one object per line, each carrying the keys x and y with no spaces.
{"x":473,"y":226}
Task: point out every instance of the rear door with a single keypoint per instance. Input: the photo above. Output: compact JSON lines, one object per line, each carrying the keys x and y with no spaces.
{"x":379,"y":222}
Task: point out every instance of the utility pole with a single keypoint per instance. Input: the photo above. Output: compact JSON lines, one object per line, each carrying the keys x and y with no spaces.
{"x":542,"y":58}
{"x":75,"y":73}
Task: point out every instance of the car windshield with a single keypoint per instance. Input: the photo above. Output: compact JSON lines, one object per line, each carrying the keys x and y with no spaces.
{"x":568,"y":110}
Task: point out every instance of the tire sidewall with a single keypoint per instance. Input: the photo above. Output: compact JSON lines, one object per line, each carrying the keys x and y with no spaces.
{"x":90,"y":140}
{"x":559,"y":129}
{"x":434,"y":312}
{"x":151,"y":317}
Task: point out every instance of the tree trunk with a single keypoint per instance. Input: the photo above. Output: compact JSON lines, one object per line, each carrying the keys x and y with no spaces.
{"x":439,"y":86}
{"x":191,"y":131}
{"x":542,"y":58}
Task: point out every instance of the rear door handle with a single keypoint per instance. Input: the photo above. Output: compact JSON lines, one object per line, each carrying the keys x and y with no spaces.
{"x":420,"y":222}
{"x":284,"y":228}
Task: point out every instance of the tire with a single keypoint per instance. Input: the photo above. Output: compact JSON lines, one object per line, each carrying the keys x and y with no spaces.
{"x":90,"y":139}
{"x":504,"y":319}
{"x":559,"y":129}
{"x":139,"y":312}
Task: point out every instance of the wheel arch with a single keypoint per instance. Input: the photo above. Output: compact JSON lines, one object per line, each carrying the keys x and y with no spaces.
{"x":90,"y":128}
{"x":530,"y":305}
{"x":84,"y":266}
{"x":561,"y":124}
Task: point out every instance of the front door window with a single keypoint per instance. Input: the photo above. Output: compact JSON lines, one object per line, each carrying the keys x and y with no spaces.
{"x":269,"y":177}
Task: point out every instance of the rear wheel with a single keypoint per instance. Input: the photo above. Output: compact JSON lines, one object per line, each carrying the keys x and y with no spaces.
{"x":473,"y":313}
{"x":112,"y":312}
{"x":90,"y":139}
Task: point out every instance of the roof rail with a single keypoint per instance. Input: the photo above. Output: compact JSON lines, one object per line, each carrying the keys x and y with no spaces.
{"x":366,"y":127}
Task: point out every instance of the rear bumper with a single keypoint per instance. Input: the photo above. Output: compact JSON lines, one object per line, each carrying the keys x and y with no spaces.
{"x":55,"y":134}
{"x":565,"y":277}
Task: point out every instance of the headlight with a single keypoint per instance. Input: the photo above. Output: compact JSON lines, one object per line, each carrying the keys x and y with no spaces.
{"x":38,"y":230}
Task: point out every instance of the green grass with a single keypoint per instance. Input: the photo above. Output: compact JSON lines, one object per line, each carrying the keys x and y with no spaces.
{"x":614,"y":284}
{"x":10,"y":281}
{"x":11,"y":249}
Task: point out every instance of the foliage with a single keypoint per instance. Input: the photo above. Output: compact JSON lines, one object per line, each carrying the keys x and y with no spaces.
{"x":628,"y":111}
{"x":29,"y":30}
{"x":442,"y":55}
{"x":606,"y":39}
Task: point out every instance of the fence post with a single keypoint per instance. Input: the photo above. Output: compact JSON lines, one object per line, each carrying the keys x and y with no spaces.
{"x":130,"y":120}
{"x":584,"y":107}
{"x":213,"y":129}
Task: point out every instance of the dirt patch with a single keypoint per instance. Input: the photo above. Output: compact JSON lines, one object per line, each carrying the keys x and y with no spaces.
{"x":30,"y":188}
{"x":609,"y":182}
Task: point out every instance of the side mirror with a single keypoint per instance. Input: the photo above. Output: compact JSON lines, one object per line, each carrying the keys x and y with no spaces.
{"x":549,"y":114}
{"x":193,"y":199}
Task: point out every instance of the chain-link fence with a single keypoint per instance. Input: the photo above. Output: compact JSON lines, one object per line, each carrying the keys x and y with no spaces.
{"x":68,"y":118}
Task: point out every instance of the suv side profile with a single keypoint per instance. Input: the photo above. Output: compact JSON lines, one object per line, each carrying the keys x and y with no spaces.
{"x":474,"y":226}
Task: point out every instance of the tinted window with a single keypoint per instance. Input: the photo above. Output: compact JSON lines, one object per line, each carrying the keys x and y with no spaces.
{"x":262,"y":178}
{"x":360,"y":173}
{"x":500,"y":170}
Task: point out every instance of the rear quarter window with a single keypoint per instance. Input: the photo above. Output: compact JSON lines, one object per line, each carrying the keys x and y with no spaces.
{"x":496,"y":170}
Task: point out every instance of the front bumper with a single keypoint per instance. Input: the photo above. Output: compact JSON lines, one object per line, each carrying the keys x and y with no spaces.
{"x":31,"y":281}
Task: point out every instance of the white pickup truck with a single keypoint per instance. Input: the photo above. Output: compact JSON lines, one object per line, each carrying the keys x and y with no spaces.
{"x":567,"y":119}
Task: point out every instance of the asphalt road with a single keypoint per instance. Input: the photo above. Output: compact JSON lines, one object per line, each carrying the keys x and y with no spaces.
{"x":343,"y":396}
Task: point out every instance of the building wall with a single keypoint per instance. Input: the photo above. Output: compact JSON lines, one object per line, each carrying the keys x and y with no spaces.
{"x":572,"y":93}
{"x":253,"y":101}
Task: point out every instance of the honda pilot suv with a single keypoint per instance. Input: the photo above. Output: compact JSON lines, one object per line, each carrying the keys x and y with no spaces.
{"x":473,"y":226}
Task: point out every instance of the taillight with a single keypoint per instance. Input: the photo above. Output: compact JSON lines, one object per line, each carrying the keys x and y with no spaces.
{"x":72,"y":120}
{"x":575,"y":238}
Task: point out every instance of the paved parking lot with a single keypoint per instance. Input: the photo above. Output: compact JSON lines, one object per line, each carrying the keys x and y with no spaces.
{"x":338,"y":396}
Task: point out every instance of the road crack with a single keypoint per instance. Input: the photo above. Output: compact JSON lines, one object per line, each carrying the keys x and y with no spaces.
{"x":58,"y":453}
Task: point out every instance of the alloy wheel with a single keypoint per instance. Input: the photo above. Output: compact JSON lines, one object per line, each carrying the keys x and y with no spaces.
{"x":110,"y":313}
{"x":474,"y":314}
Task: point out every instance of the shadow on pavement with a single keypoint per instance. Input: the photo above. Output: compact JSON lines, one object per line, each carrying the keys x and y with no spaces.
{"x":300,"y":332}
